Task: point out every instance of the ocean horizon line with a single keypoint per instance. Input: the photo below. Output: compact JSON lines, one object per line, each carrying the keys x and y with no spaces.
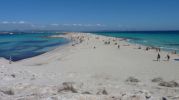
{"x":87,"y":31}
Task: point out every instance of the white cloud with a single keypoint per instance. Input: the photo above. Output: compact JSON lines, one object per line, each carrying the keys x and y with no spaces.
{"x":74,"y":24}
{"x":92,"y":25}
{"x":54,"y":24}
{"x":85,"y":25}
{"x":5,"y":22}
{"x":21,"y":22}
{"x":80,"y":25}
{"x":13,"y":22}
{"x":77,"y":25}
{"x":98,"y":24}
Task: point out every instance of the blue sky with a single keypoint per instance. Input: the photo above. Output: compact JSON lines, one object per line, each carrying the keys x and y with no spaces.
{"x":89,"y":14}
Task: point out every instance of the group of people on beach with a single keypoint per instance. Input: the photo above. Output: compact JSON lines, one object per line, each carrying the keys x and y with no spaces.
{"x":158,"y":57}
{"x":109,"y":42}
{"x":80,"y":39}
{"x":147,"y":48}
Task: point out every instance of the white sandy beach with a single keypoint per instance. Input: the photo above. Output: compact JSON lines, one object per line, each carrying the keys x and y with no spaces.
{"x":79,"y":71}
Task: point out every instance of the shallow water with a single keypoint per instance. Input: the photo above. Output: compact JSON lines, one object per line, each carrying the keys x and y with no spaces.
{"x":25,"y":45}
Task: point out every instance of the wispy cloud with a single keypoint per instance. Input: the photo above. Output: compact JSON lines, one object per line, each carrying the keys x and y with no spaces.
{"x":13,"y":22}
{"x":21,"y":22}
{"x":54,"y":24}
{"x":85,"y":25}
{"x":5,"y":22}
{"x":101,"y":25}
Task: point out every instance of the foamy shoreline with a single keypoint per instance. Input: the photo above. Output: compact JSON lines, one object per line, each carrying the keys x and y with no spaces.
{"x":88,"y":67}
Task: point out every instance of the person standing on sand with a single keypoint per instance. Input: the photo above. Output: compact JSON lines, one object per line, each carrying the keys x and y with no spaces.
{"x":174,"y":52}
{"x":158,"y":57}
{"x":168,"y":57}
{"x":159,"y":49}
{"x":10,"y":60}
{"x":118,"y":46}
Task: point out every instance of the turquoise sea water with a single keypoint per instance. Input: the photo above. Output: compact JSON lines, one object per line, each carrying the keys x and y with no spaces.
{"x":166,"y":40}
{"x":25,"y":45}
